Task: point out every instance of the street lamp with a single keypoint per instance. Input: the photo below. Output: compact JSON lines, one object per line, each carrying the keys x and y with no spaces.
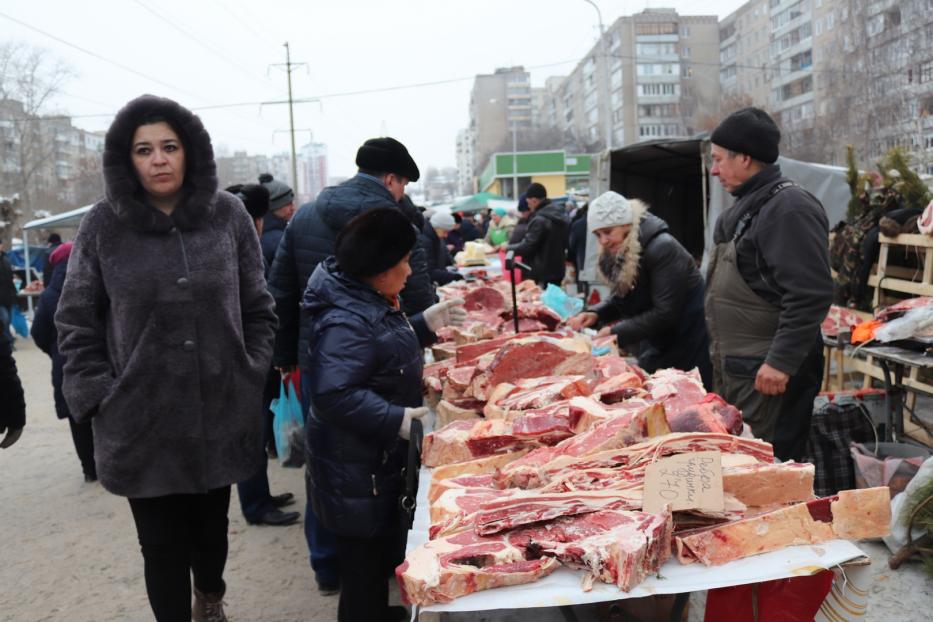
{"x":603,"y":44}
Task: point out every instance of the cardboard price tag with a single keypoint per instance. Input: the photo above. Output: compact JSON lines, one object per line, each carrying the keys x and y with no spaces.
{"x":686,"y":482}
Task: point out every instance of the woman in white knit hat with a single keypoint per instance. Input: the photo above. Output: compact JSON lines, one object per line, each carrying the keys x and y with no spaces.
{"x":656,"y":307}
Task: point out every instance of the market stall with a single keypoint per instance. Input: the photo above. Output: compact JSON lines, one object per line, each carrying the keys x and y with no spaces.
{"x":550,"y":473}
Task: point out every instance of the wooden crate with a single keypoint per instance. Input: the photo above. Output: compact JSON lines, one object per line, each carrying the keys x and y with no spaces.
{"x":889,"y":280}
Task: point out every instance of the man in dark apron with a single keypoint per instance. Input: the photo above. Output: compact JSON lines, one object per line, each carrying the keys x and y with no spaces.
{"x":769,"y":285}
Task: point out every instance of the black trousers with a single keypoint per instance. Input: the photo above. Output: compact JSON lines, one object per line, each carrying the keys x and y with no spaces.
{"x":83,"y":436}
{"x":793,"y":424}
{"x":365,"y":567}
{"x":182,"y":535}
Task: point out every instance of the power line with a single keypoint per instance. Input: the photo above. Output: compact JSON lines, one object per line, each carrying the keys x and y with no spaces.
{"x":200,"y":42}
{"x":96,"y":55}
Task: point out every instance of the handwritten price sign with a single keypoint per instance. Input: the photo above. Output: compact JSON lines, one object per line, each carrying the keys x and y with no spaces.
{"x":685,"y":482}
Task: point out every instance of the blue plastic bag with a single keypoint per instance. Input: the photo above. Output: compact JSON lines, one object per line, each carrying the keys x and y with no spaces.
{"x":18,"y":322}
{"x":288,"y":425}
{"x":560,"y":303}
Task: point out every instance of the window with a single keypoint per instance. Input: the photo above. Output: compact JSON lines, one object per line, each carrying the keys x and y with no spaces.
{"x":685,"y":31}
{"x":685,"y":52}
{"x":925,"y":75}
{"x":818,"y":27}
{"x":656,"y":28}
{"x":875,"y":25}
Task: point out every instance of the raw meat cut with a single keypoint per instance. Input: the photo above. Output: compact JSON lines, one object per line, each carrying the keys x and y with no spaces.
{"x":537,"y":471}
{"x":765,"y":484}
{"x":675,"y":389}
{"x":484,"y":300}
{"x":711,"y":414}
{"x":465,"y":440}
{"x":440,"y":570}
{"x":448,"y":412}
{"x":839,"y":319}
{"x":533,"y":311}
{"x":614,"y":546}
{"x":500,"y":513}
{"x":510,"y":400}
{"x":852,"y":514}
{"x":532,"y":359}
{"x":478,"y":466}
{"x":616,"y":432}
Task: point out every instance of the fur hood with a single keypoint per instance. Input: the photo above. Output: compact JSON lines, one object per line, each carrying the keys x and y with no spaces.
{"x":124,"y":193}
{"x":620,"y":273}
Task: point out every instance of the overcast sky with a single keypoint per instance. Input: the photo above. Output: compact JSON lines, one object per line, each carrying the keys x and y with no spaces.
{"x":358,"y":53}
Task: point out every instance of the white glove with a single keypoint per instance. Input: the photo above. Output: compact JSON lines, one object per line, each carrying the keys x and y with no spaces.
{"x":404,"y":430}
{"x":447,"y":313}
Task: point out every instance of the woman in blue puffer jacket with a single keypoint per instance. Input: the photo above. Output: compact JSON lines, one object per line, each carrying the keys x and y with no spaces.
{"x":366,"y":367}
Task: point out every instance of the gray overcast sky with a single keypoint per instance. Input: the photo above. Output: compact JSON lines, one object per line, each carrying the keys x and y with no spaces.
{"x":212,"y":52}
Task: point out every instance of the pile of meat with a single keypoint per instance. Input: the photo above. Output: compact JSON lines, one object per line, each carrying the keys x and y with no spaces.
{"x":538,"y":460}
{"x":489,"y":313}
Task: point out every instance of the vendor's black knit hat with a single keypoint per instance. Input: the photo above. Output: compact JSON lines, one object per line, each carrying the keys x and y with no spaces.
{"x":750,"y":131}
{"x":254,"y":196}
{"x":374,"y":241}
{"x":536,"y":191}
{"x":387,"y":155}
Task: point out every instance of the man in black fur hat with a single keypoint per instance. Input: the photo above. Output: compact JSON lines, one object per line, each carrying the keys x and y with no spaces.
{"x":769,"y":285}
{"x":385,"y":168}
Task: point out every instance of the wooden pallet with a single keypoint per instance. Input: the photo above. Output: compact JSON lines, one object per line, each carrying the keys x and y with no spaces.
{"x":899,"y":280}
{"x":891,"y":284}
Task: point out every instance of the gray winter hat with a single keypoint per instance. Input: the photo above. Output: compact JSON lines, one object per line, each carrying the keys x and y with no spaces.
{"x":280,"y":194}
{"x":609,"y":209}
{"x":443,"y":220}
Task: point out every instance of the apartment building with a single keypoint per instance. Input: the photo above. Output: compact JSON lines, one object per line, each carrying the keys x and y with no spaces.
{"x":834,"y":73}
{"x":499,"y":102}
{"x":650,"y":75}
{"x":465,"y":168}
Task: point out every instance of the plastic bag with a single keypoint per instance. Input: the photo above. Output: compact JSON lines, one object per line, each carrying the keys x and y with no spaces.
{"x":782,"y":600}
{"x":560,"y":303}
{"x":18,"y":322}
{"x":915,"y":323}
{"x":288,"y":424}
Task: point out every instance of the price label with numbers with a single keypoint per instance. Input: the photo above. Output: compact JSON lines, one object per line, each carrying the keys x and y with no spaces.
{"x":685,"y":482}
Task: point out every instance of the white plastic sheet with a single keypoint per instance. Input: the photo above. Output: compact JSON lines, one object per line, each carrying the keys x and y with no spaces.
{"x":563,"y":586}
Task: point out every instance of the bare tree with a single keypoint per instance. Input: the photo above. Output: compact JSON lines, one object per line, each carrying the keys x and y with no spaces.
{"x":30,"y":79}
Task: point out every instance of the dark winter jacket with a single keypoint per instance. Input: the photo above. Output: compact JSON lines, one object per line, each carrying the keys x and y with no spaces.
{"x":166,"y":325}
{"x":661,"y":315}
{"x":518,"y":232}
{"x":7,"y":287}
{"x":308,"y":240}
{"x":45,"y":335}
{"x":273,"y":228}
{"x":365,"y":368}
{"x":544,"y":245}
{"x":783,"y":255}
{"x":576,"y":243}
{"x":438,"y":257}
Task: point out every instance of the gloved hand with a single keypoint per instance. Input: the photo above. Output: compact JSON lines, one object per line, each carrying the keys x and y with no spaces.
{"x":404,"y":430}
{"x":12,"y":435}
{"x":447,"y":313}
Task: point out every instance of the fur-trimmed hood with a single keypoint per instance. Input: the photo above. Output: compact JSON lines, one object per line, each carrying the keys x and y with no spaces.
{"x":621,"y":271}
{"x":124,"y":193}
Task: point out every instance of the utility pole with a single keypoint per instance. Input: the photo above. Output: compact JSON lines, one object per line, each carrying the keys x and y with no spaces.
{"x":289,"y":67}
{"x":607,"y":89}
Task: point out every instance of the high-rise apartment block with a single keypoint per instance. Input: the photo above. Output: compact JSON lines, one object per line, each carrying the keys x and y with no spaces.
{"x":835,"y":72}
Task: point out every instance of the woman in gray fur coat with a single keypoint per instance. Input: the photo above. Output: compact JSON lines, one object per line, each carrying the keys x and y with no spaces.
{"x":167,"y":329}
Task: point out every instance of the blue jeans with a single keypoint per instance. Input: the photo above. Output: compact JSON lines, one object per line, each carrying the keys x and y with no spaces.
{"x":322,"y":545}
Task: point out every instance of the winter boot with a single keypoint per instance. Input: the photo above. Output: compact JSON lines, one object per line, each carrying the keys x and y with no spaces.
{"x":208,"y":607}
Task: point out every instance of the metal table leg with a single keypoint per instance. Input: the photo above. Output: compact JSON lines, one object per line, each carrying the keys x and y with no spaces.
{"x":893,"y":400}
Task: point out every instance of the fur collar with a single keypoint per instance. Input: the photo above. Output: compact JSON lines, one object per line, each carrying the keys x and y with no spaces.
{"x":123,"y":190}
{"x":620,"y":272}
